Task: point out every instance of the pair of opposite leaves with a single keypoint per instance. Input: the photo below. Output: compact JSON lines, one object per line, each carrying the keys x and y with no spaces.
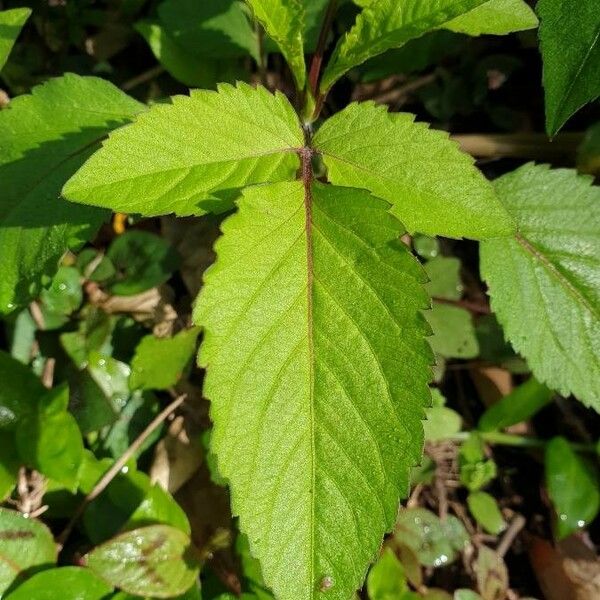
{"x":314,"y":343}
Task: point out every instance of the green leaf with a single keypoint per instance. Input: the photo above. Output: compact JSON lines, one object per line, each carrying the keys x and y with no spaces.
{"x":495,"y":17}
{"x":442,"y":422}
{"x":11,"y":23}
{"x":317,"y":416}
{"x":573,"y":486}
{"x":19,"y":391}
{"x":453,"y":331}
{"x":142,"y":261}
{"x":518,"y":406}
{"x":50,"y":440}
{"x":387,"y":24}
{"x":159,"y":362}
{"x":436,"y":542}
{"x":45,"y":137}
{"x":63,"y":582}
{"x":217,"y":29}
{"x":543,"y":283}
{"x":283,"y":20}
{"x":433,"y":187}
{"x":191,"y":149}
{"x":486,"y":512}
{"x":588,"y":153}
{"x":444,"y":278}
{"x":24,"y":543}
{"x":9,"y":464}
{"x":570,"y":46}
{"x":475,"y":471}
{"x":386,"y":580}
{"x":156,"y":561}
{"x":61,"y":298}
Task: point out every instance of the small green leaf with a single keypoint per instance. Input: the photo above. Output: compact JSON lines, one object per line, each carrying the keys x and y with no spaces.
{"x":386,"y":580}
{"x":19,"y":392}
{"x":157,"y":561}
{"x":63,"y":582}
{"x":570,"y":46}
{"x":475,"y":470}
{"x":142,"y":261}
{"x":283,"y":20}
{"x":453,"y":331}
{"x":387,"y":24}
{"x":24,"y":543}
{"x":442,"y":422}
{"x":573,"y":486}
{"x":495,"y":17}
{"x":158,"y":363}
{"x":436,"y":542}
{"x":11,"y":23}
{"x":46,"y":137}
{"x":49,"y":440}
{"x":433,"y":187}
{"x":112,"y":377}
{"x":189,"y":150}
{"x":63,"y":297}
{"x":486,"y":512}
{"x":521,"y":404}
{"x":543,"y":283}
{"x":464,"y":594}
{"x":444,"y":278}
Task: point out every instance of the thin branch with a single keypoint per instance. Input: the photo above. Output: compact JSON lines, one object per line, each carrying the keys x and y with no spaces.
{"x":520,"y":145}
{"x":511,"y":533}
{"x":474,"y":307}
{"x":142,"y":78}
{"x":115,"y":469}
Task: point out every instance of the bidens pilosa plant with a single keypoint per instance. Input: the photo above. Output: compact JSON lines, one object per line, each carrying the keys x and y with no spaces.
{"x":314,"y":340}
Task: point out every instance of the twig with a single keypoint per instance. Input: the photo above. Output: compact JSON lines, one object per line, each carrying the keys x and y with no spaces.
{"x":115,"y":469}
{"x":142,"y":78}
{"x":37,"y":315}
{"x":510,"y":534}
{"x":520,"y":145}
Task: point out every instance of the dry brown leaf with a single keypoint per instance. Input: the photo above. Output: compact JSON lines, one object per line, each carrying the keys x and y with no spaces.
{"x":568,"y":571}
{"x":176,"y":457}
{"x":491,"y":574}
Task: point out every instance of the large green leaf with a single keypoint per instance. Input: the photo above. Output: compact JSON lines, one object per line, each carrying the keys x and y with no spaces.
{"x":283,"y":20}
{"x":11,"y":22}
{"x":433,"y":187}
{"x":188,"y":150}
{"x":543,"y":282}
{"x":570,"y":45}
{"x":495,"y":17}
{"x":317,"y":373}
{"x":24,"y":543}
{"x":387,"y":24}
{"x":45,"y":137}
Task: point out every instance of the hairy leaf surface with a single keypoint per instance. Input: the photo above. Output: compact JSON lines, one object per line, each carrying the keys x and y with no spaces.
{"x":175,"y":157}
{"x":433,"y":187}
{"x":11,"y":22}
{"x":45,"y":137}
{"x":552,"y":315}
{"x":389,"y":24}
{"x":283,"y":20}
{"x":570,"y":45}
{"x":495,"y":17}
{"x":317,"y":373}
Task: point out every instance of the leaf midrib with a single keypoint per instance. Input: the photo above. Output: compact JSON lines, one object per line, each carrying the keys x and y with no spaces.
{"x":549,"y":266}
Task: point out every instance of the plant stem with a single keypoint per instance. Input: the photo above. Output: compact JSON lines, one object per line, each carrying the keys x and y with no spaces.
{"x":317,"y":59}
{"x":115,"y":469}
{"x":507,"y":439}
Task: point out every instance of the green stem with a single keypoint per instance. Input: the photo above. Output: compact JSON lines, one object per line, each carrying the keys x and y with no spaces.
{"x":518,"y":441}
